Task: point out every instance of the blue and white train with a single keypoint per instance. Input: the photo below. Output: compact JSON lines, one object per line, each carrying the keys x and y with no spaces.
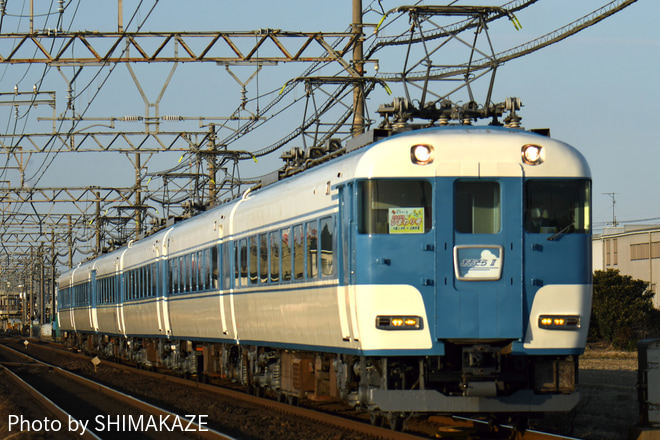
{"x":444,"y":270}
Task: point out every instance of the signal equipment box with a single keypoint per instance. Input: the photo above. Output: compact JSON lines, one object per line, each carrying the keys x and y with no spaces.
{"x":648,"y":381}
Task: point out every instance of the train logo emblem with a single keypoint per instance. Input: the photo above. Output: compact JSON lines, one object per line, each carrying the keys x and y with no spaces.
{"x":478,"y":263}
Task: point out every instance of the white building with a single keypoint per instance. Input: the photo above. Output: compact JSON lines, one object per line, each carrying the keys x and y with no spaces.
{"x":633,"y":250}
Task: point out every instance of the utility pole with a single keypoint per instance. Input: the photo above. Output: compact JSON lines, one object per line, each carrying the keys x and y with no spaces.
{"x":614,"y":222}
{"x":212,"y":166}
{"x":358,"y":65}
{"x":138,"y":197}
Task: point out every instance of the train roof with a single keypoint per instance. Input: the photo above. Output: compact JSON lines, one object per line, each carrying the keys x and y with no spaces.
{"x":460,"y":151}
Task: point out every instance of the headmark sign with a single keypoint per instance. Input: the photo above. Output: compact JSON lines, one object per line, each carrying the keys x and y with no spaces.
{"x":406,"y":220}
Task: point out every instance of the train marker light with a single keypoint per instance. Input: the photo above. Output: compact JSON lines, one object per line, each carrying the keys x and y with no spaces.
{"x":421,"y":154}
{"x":398,"y":322}
{"x":532,"y":154}
{"x":559,"y":322}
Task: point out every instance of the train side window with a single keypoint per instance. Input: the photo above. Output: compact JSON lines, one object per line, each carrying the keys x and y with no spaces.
{"x":144,"y":280}
{"x":189,"y":272}
{"x":254,"y":260}
{"x":286,"y":254}
{"x":312,"y":246}
{"x":477,"y":209}
{"x":131,"y":289}
{"x":204,"y":267}
{"x":195,"y":266}
{"x":215,"y":267}
{"x":263,"y":258}
{"x":174,"y":275}
{"x":226,"y":265}
{"x":154,"y":279}
{"x":274,"y":238}
{"x":243,"y":273}
{"x":199,"y":280}
{"x":298,"y":253}
{"x":327,"y":247}
{"x":395,"y":207}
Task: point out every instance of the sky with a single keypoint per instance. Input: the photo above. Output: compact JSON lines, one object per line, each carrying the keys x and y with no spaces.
{"x":595,"y":90}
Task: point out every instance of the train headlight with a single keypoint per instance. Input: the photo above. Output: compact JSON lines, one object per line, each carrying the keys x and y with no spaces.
{"x":532,"y":154}
{"x":559,"y":322}
{"x":421,"y":154}
{"x":398,"y":322}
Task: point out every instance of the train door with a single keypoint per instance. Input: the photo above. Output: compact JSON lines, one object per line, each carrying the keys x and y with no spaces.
{"x":121,"y":322}
{"x":93,"y":317}
{"x":483,"y":293}
{"x":346,"y":270}
{"x":166,"y":285}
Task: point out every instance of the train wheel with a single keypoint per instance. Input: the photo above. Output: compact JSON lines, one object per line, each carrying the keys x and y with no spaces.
{"x":395,"y":421}
{"x":376,"y":418}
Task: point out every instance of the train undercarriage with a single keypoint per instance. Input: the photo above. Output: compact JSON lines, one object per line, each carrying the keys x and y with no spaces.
{"x":471,"y":378}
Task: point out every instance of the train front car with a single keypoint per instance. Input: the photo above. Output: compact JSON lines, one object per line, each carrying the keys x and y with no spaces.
{"x":471,"y":256}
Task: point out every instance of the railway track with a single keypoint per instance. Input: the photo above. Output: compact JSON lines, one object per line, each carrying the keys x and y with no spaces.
{"x":269,"y":415}
{"x":90,"y":410}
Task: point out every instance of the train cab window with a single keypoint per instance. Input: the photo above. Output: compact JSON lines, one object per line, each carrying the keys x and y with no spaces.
{"x":275,"y":256}
{"x":327,"y":247}
{"x":395,"y":207}
{"x":477,"y":209}
{"x":298,"y":253}
{"x":557,"y":206}
{"x":286,"y":254}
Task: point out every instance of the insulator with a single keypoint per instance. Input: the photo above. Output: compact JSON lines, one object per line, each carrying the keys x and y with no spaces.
{"x":171,"y":118}
{"x":132,"y":118}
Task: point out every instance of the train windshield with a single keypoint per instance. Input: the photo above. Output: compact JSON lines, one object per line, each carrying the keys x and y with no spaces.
{"x":395,"y":207}
{"x":558,"y":206}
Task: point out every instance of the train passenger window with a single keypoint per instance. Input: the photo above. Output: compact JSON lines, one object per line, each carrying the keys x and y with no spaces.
{"x":327,"y":247}
{"x":254,"y":260}
{"x":263,"y":258}
{"x":243,"y":272}
{"x":394,"y":207}
{"x":298,"y":253}
{"x":204,"y":269}
{"x":226,"y":266}
{"x":215,"y":267}
{"x":557,"y":206}
{"x":143,"y":281}
{"x":312,"y":249}
{"x":274,"y":256}
{"x":174,"y":275}
{"x":154,"y":279}
{"x":195,"y":268}
{"x":183,"y":274}
{"x":477,"y":209}
{"x":286,"y":254}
